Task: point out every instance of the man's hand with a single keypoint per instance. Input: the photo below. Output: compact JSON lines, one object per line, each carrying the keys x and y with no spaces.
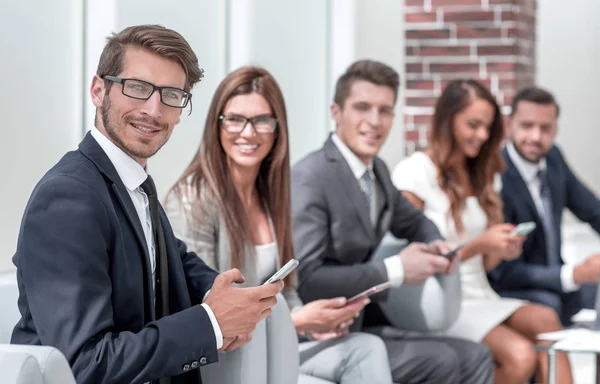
{"x":441,"y":247}
{"x":238,"y":310}
{"x":231,"y":343}
{"x":588,"y":271}
{"x":419,"y":263}
{"x":324,"y":316}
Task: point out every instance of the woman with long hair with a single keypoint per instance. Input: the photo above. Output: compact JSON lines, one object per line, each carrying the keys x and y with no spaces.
{"x":456,"y":181}
{"x":232,"y":207}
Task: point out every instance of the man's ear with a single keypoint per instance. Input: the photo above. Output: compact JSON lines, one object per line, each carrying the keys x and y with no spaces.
{"x":336,"y":113}
{"x":97,"y":91}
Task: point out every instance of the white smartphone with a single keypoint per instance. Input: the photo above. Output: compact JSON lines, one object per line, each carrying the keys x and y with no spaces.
{"x":523,"y":229}
{"x":369,"y":292}
{"x":283,"y":271}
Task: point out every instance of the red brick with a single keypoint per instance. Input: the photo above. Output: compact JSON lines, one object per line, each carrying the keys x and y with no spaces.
{"x":478,"y":32}
{"x":454,"y":67}
{"x":437,"y":3}
{"x":414,"y":67}
{"x":501,"y":67}
{"x":507,"y":84}
{"x":420,"y":84}
{"x":413,"y":3}
{"x":443,"y":33}
{"x":451,"y":50}
{"x":411,"y":135}
{"x":421,"y":101}
{"x":411,"y":50}
{"x":509,"y":32}
{"x":422,"y":119}
{"x":420,"y":17}
{"x":497,"y":50}
{"x":508,"y":16}
{"x":468,"y":16}
{"x":485,"y":82}
{"x":501,"y":2}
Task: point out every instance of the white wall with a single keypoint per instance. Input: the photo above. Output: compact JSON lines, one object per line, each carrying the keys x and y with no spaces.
{"x":568,"y":62}
{"x":380,"y":36}
{"x":40,"y":103}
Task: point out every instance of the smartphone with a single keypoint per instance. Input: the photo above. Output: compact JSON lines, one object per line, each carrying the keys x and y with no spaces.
{"x":453,"y":252}
{"x":369,"y":292}
{"x":523,"y":229}
{"x":283,"y":271}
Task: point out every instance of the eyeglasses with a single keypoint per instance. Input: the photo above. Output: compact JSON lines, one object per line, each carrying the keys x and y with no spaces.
{"x":142,"y":90}
{"x":237,"y":123}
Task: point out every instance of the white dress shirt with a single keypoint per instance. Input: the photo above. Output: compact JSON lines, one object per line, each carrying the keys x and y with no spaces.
{"x":393,"y":264}
{"x":132,"y":175}
{"x":529,"y":173}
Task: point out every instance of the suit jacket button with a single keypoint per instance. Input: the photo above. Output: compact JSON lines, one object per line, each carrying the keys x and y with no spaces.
{"x":194,"y":364}
{"x":186,"y":367}
{"x":203,"y":361}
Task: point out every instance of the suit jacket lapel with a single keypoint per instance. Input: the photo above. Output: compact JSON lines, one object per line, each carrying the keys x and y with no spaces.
{"x":92,"y":150}
{"x":345,"y":178}
{"x":389,"y":191}
{"x":519,"y":185}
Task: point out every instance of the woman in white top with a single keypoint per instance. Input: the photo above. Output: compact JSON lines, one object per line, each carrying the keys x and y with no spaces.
{"x":456,"y":182}
{"x":232,"y":207}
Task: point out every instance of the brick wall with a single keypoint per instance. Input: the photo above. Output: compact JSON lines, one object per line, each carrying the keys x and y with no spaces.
{"x":490,"y":40}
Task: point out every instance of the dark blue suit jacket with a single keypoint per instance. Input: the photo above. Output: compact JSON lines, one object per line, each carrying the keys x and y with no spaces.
{"x":531,"y":269}
{"x":85,"y":281}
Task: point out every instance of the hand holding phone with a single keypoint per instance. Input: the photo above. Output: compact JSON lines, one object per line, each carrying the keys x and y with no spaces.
{"x":369,"y":292}
{"x":454,"y":251}
{"x":283,"y":271}
{"x":523,"y":229}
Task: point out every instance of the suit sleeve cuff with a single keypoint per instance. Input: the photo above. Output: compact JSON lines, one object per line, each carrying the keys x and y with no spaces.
{"x":395,"y":270}
{"x":566,"y":279}
{"x":215,"y":324}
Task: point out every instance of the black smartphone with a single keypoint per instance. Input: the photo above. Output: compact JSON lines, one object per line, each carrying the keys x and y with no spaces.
{"x":453,"y":252}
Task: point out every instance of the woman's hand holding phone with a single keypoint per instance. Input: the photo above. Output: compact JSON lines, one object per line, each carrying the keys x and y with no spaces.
{"x":327,"y":316}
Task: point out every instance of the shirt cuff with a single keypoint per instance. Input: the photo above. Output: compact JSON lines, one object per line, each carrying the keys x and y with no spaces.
{"x":566,"y":278}
{"x":395,"y":270}
{"x":215,"y":324}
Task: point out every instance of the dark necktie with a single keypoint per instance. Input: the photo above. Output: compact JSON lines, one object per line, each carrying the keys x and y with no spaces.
{"x":552,"y":252}
{"x":366,"y":185}
{"x":161,"y":290}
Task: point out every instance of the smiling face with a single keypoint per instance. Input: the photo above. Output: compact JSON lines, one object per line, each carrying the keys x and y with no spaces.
{"x":364,"y":121}
{"x":471,"y":127}
{"x":139,"y":127}
{"x":532,"y":129}
{"x":248,"y":148}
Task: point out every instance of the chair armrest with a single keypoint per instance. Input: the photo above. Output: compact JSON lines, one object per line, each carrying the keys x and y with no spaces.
{"x":53,"y":365}
{"x":19,"y":368}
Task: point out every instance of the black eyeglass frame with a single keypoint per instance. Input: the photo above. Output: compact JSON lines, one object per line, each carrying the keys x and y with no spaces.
{"x":121,"y":80}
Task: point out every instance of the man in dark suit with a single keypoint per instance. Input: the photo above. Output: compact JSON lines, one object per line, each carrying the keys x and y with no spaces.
{"x":343,"y":202}
{"x":101,"y":276}
{"x":537,"y":186}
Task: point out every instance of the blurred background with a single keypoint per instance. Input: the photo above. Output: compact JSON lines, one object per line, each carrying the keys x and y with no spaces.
{"x":50,"y":49}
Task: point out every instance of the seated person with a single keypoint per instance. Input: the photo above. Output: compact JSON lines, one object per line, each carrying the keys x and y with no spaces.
{"x":456,"y":183}
{"x":537,"y":186}
{"x":101,"y":276}
{"x":232,"y":206}
{"x":344,"y":202}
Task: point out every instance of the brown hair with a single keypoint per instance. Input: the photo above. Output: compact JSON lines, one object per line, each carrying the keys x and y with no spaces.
{"x":482,"y":169}
{"x":209,"y":172}
{"x":535,"y":95}
{"x":367,"y":70}
{"x":155,"y":39}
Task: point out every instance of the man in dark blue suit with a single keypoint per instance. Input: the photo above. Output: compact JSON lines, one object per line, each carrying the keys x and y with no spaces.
{"x":101,"y":276}
{"x":537,"y":186}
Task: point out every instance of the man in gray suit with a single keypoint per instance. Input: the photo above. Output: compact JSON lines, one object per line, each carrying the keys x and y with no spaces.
{"x":343,"y":202}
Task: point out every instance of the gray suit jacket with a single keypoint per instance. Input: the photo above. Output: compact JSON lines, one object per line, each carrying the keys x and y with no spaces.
{"x":199,"y":223}
{"x":334,"y":239}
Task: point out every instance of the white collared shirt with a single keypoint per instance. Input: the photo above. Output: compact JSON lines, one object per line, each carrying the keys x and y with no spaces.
{"x":393,"y":264}
{"x":132,"y":175}
{"x":529,"y":173}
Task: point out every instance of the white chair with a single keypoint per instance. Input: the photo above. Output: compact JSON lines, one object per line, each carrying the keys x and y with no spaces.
{"x":16,"y":360}
{"x":430,"y":307}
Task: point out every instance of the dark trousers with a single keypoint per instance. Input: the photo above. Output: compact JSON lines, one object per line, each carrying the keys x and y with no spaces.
{"x":565,"y":304}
